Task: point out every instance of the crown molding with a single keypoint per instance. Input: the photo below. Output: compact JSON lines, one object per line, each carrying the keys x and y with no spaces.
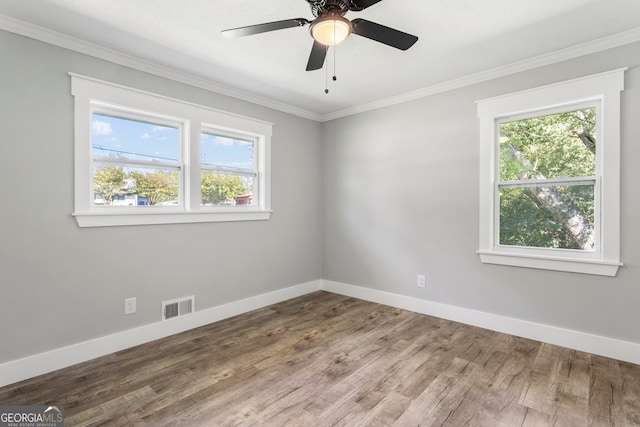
{"x":97,"y":51}
{"x":594,"y":46}
{"x":81,"y":46}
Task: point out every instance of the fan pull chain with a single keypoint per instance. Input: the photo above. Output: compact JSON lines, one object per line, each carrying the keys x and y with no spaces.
{"x":334,"y":78}
{"x":334,"y":60}
{"x":326,"y":77}
{"x":334,"y":52}
{"x":326,"y":73}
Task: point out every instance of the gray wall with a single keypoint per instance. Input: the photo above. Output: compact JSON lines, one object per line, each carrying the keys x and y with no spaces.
{"x":401,"y":198}
{"x":61,"y":284}
{"x":368,"y":200}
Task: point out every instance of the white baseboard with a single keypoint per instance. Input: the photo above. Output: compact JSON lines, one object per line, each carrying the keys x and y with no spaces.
{"x":28,"y":367}
{"x":596,"y":344}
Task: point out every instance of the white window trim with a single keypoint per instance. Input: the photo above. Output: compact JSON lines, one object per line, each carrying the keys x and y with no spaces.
{"x":89,"y":92}
{"x":604,"y":88}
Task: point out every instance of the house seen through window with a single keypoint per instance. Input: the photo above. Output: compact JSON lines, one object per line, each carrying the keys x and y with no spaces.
{"x":137,"y":163}
{"x":143,"y":158}
{"x":227,"y":170}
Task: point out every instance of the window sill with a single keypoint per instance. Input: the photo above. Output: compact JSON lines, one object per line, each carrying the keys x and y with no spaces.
{"x":595,"y":267}
{"x":100,"y":219}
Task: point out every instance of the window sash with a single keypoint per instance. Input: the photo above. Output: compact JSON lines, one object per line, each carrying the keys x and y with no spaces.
{"x":137,"y":164}
{"x":595,"y":235}
{"x":140,"y":116}
{"x":578,"y":180}
{"x":225,"y":170}
{"x":548,"y":111}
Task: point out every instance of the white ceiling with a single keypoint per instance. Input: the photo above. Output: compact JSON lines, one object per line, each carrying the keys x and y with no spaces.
{"x":458,"y":39}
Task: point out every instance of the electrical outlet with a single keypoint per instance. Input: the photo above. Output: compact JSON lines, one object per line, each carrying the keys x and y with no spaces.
{"x":422,"y":281}
{"x":129,"y":305}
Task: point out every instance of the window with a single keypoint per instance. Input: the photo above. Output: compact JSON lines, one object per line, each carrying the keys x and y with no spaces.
{"x":546,"y":180}
{"x":142,"y":158}
{"x":549,"y":183}
{"x":136,"y":159}
{"x":228,"y":170}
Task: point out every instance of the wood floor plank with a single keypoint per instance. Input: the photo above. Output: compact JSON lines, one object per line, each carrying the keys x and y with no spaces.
{"x":387,"y":411}
{"x":542,"y":390}
{"x":630,"y":415}
{"x":606,"y":396}
{"x":329,"y":360}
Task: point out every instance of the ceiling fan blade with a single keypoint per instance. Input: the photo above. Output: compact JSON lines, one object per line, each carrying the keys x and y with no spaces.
{"x":318,"y":54}
{"x":382,"y":34}
{"x":358,"y":5}
{"x":263,"y":28}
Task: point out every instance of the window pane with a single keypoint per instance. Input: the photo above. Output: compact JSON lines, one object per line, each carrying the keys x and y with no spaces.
{"x":122,"y":186}
{"x":222,"y":151}
{"x":551,"y":146}
{"x":560,"y":217}
{"x":131,"y":139}
{"x":226,"y":190}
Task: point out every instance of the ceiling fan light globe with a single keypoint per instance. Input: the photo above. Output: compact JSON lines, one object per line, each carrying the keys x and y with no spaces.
{"x":331,"y":30}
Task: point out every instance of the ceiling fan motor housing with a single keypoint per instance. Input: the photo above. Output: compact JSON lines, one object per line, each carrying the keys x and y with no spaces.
{"x":323,"y":7}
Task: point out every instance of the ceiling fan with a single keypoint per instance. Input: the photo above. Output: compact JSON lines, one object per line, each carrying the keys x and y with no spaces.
{"x":331,"y":27}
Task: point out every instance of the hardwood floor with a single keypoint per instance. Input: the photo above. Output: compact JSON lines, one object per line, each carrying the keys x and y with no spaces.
{"x":325,"y":359}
